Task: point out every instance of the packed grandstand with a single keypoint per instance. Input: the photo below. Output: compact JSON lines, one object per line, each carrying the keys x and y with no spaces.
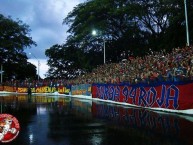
{"x":155,"y":67}
{"x":152,"y":68}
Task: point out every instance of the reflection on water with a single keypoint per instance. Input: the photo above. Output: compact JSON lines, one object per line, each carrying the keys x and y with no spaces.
{"x":145,"y":125}
{"x":54,"y":120}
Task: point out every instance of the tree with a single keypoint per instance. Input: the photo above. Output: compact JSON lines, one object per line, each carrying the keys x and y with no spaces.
{"x":65,"y":62}
{"x":133,"y":26}
{"x":22,"y":71}
{"x":175,"y":35}
{"x":14,"y":38}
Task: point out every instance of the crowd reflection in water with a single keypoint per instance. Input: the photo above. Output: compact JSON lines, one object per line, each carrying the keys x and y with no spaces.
{"x":146,"y":125}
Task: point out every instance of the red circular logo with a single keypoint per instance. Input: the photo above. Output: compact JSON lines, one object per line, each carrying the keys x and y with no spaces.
{"x":9,"y":128}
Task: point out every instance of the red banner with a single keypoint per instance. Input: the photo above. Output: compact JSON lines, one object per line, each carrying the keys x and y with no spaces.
{"x":167,"y":96}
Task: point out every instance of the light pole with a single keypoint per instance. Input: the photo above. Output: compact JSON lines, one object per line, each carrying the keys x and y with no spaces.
{"x":37,"y":66}
{"x":186,"y":17}
{"x":94,"y":33}
{"x":1,"y":73}
{"x":104,"y":50}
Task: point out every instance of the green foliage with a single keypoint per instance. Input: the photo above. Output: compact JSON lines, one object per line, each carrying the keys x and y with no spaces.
{"x":14,"y":38}
{"x":125,"y":25}
{"x":65,"y":62}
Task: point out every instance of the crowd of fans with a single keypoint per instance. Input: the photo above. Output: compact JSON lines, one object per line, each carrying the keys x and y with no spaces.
{"x":152,"y":68}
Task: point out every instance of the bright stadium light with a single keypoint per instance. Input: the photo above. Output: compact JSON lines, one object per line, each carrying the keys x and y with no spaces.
{"x":94,"y":33}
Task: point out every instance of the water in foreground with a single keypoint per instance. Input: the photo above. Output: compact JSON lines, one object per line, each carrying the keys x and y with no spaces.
{"x":46,"y":120}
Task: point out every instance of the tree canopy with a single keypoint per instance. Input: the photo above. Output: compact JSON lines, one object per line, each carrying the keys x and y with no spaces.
{"x":14,"y":38}
{"x":131,"y":26}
